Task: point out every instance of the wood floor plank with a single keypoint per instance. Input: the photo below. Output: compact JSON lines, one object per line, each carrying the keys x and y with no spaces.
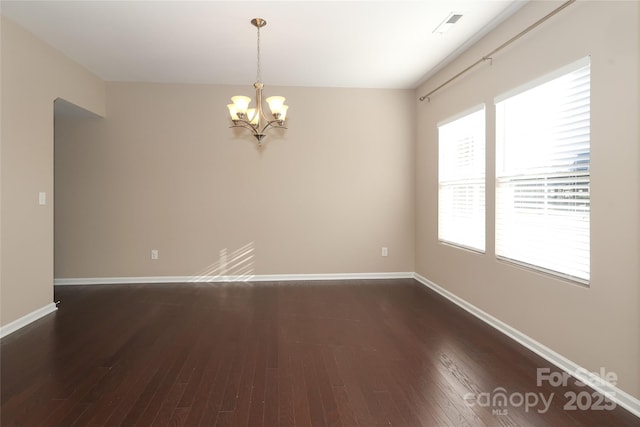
{"x":76,"y":403}
{"x":242,"y":407}
{"x":286,"y":413}
{"x":205,"y":408}
{"x":354,"y":389}
{"x":162,"y":391}
{"x":271,"y":403}
{"x":345,"y":408}
{"x":258,"y":388}
{"x":360,"y":353}
{"x":169,"y":405}
{"x":329,"y":405}
{"x":301,"y":404}
{"x":179,"y":417}
{"x":232,"y":388}
{"x":314,"y":396}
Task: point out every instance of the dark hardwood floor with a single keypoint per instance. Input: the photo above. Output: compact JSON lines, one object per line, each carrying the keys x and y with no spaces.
{"x":342,"y":353}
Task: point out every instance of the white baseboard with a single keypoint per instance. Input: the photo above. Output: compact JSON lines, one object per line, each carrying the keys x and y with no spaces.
{"x":612,"y":392}
{"x":222,"y":279}
{"x":26,"y":319}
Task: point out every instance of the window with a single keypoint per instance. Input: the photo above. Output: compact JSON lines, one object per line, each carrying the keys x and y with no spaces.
{"x":461,"y":181}
{"x":542,"y":174}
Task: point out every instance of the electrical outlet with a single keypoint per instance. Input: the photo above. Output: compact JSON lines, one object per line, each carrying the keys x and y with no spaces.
{"x":154,"y":254}
{"x":385,"y":251}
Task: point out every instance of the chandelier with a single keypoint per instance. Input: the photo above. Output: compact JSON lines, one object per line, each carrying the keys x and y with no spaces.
{"x":254,"y":119}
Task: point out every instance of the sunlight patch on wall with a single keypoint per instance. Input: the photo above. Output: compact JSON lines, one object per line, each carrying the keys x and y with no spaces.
{"x":231,"y":266}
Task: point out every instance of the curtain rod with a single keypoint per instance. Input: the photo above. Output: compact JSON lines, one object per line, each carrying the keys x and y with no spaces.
{"x":488,"y":57}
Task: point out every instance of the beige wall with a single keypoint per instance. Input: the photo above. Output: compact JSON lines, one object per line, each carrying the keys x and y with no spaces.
{"x":33,"y":76}
{"x":164,"y":171}
{"x":597,"y":326}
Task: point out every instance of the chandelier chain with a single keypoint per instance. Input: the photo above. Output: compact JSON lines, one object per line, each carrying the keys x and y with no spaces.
{"x":258,"y":74}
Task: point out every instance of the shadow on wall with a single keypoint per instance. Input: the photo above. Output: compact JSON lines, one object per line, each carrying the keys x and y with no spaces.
{"x":235,"y":266}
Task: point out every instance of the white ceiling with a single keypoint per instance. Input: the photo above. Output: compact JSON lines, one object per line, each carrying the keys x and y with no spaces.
{"x":367,"y":44}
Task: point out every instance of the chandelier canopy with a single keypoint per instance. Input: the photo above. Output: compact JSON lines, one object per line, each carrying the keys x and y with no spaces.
{"x":254,"y":119}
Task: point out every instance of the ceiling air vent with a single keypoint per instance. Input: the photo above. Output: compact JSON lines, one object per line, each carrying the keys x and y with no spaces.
{"x":448,"y":23}
{"x":453,"y":18}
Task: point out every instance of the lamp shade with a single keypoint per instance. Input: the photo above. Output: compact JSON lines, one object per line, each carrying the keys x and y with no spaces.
{"x":232,"y":111}
{"x":241,"y":103}
{"x":275,"y":103}
{"x":283,"y":112}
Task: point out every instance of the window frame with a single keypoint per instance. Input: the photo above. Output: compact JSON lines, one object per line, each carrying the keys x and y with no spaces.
{"x":579,"y":177}
{"x":478,"y":180}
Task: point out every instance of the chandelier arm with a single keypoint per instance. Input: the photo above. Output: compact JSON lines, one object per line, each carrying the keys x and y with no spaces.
{"x":263,"y":115}
{"x":244,"y":124}
{"x":271,"y":123}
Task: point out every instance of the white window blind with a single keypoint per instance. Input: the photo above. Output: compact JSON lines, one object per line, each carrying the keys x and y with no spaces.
{"x":542,"y":174}
{"x":461,"y":179}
